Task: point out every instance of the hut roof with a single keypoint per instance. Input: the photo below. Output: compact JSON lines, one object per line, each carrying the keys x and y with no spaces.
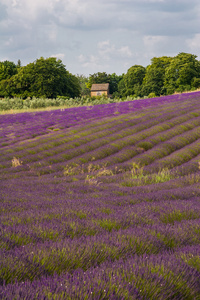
{"x":100,"y":87}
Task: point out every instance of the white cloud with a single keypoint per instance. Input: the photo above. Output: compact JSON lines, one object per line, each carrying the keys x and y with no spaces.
{"x":52,"y":34}
{"x":106,"y":53}
{"x":151,"y":41}
{"x":153,"y":44}
{"x":81,"y":58}
{"x":59,"y":55}
{"x":125,"y":51}
{"x":194,"y":44}
{"x":91,"y":62}
{"x":93,"y":35}
{"x":26,"y":9}
{"x":106,"y":49}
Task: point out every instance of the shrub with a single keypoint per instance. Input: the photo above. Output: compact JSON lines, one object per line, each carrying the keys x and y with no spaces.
{"x":152,"y":95}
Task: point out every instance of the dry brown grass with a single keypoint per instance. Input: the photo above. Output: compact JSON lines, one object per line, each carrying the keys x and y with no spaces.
{"x":16,"y":162}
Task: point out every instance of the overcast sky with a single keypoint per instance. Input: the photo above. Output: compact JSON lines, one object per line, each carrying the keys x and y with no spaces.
{"x":91,"y":36}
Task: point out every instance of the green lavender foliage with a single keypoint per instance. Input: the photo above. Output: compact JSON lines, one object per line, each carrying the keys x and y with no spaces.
{"x":101,"y":202}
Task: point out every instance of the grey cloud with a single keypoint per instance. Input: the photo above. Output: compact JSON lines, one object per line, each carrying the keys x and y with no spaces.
{"x":88,"y":17}
{"x":144,"y":17}
{"x":75,"y":28}
{"x":177,"y":6}
{"x":160,"y":22}
{"x":3,"y":12}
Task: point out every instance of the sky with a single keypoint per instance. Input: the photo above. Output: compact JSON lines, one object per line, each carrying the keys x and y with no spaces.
{"x":91,"y":36}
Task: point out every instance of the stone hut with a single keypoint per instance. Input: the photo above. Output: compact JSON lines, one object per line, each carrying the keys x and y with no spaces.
{"x":99,"y":89}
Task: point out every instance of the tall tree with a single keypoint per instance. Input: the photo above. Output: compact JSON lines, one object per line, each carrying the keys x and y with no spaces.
{"x":100,"y":77}
{"x":181,"y":72}
{"x":83,"y":82}
{"x":19,"y":64}
{"x":44,"y":78}
{"x":121,"y":89}
{"x":133,"y":80}
{"x":103,"y":77}
{"x":7,"y":69}
{"x":155,"y":75}
{"x":114,"y":81}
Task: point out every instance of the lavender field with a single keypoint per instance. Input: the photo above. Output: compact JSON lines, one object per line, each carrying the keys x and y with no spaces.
{"x":102,"y":202}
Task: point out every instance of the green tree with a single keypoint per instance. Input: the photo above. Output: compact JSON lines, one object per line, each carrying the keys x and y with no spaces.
{"x":155,"y":75}
{"x":100,"y":77}
{"x":133,"y":80}
{"x":72,"y":87}
{"x":7,"y":88}
{"x":121,"y":89}
{"x":51,"y":79}
{"x":83,"y":82}
{"x":44,"y":78}
{"x":114,"y":81}
{"x":103,"y":77}
{"x":19,"y":64}
{"x":181,"y":72}
{"x":7,"y":70}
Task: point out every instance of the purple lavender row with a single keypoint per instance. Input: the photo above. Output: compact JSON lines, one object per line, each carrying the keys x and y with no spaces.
{"x":82,"y":113}
{"x":138,"y":277}
{"x":79,"y":128}
{"x":30,"y":262}
{"x":18,"y":194}
{"x":22,"y":147}
{"x":171,"y":241}
{"x":65,"y":221}
{"x":71,"y":136}
{"x":48,"y":192}
{"x":178,"y":112}
{"x":53,"y":225}
{"x":123,"y":132}
{"x":181,"y":156}
{"x":135,"y":128}
{"x":171,"y":146}
{"x":141,"y":143}
{"x":109,"y":108}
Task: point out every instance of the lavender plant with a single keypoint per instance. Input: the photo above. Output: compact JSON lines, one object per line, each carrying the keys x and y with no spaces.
{"x":96,"y":204}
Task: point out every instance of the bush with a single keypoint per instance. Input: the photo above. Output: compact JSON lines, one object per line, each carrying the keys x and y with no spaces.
{"x":152,"y":95}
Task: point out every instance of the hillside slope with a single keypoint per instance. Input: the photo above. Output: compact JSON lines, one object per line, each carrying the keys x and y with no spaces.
{"x":102,"y":202}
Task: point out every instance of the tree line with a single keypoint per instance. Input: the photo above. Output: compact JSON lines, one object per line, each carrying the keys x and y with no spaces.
{"x":46,"y":78}
{"x":49,"y":78}
{"x":164,"y":76}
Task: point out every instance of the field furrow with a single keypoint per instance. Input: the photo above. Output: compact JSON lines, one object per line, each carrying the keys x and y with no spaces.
{"x":102,"y":202}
